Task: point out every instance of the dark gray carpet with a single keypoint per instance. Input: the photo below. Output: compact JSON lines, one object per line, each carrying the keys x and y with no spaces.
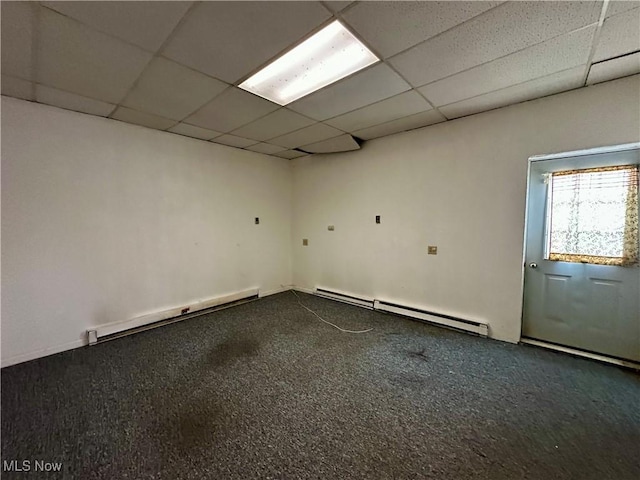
{"x":266,"y":390}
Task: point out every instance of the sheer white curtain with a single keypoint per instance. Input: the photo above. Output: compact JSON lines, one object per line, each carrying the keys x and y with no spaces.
{"x":594,"y":216}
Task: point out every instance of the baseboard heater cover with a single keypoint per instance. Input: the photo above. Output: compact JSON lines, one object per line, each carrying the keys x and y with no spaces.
{"x":344,"y":297}
{"x":473,"y":326}
{"x":184,"y":311}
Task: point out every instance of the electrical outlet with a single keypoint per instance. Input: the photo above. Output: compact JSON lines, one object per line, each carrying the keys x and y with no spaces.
{"x":331,"y":228}
{"x":377,"y":218}
{"x":305,"y":242}
{"x":432,"y":250}
{"x":257,"y":220}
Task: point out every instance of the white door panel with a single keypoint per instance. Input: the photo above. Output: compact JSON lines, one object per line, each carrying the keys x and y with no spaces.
{"x":585,"y":306}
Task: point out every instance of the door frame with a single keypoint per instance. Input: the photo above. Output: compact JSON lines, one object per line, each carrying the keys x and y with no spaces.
{"x":560,"y":156}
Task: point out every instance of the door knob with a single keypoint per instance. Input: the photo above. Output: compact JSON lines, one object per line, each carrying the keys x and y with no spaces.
{"x":533,"y":265}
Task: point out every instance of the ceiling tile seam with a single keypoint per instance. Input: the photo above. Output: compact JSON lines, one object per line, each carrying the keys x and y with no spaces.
{"x":511,"y":86}
{"x":293,"y":148}
{"x":594,"y":41}
{"x":444,"y":31}
{"x":35,"y":48}
{"x":41,"y":84}
{"x":591,"y":25}
{"x":342,"y":132}
{"x":153,"y":57}
{"x":286,"y":50}
{"x":615,"y":57}
{"x":384,"y":61}
{"x":375,"y":103}
{"x":271,"y":113}
{"x":95,"y":29}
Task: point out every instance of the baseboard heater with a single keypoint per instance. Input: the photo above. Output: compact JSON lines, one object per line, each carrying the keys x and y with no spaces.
{"x":473,"y":326}
{"x":345,"y":297}
{"x":156,"y":319}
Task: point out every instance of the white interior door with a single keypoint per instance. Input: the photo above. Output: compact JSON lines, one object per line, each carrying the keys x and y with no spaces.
{"x":591,"y":307}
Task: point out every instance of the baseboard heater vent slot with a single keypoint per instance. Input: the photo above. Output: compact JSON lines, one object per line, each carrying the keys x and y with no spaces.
{"x":479,"y":328}
{"x":344,"y":297}
{"x":165,"y":317}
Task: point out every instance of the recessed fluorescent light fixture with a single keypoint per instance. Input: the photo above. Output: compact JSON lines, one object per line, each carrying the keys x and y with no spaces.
{"x":322,"y":59}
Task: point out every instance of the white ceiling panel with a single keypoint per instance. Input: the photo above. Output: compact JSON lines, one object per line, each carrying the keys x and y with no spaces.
{"x":18,"y":25}
{"x":290,"y":154}
{"x":363,"y":88}
{"x":229,"y":40}
{"x":391,"y":27}
{"x":337,"y":6}
{"x":619,"y":6}
{"x":556,"y":83}
{"x":306,"y":135}
{"x":619,"y":35}
{"x":343,"y":143}
{"x":234,"y":141}
{"x":75,"y":58}
{"x":273,"y":125}
{"x":266,"y":148}
{"x":71,"y":101}
{"x":230,"y":110}
{"x":540,"y":60}
{"x":615,"y":68}
{"x":170,"y":90}
{"x":17,"y":87}
{"x":501,"y":31}
{"x":401,"y":125}
{"x":193,"y":131}
{"x":402,"y":105}
{"x":139,"y":118}
{"x":145,"y":24}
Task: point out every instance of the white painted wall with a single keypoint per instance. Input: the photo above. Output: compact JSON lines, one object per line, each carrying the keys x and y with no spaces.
{"x":461,"y":186}
{"x":103,"y":221}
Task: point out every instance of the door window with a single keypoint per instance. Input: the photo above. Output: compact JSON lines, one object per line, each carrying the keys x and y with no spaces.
{"x":592,"y":216}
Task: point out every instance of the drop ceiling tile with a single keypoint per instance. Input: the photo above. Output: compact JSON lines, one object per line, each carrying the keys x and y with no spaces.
{"x":75,"y":58}
{"x":139,"y":118}
{"x":266,"y":148}
{"x":230,"y":110}
{"x":337,"y":6}
{"x":619,"y":35}
{"x":170,"y":90}
{"x":18,"y":24}
{"x":540,"y":60}
{"x":402,"y":105}
{"x":193,"y":131}
{"x":290,"y":154}
{"x":273,"y":125}
{"x":498,"y":32}
{"x":71,"y":101}
{"x":551,"y":84}
{"x":229,"y":40}
{"x":619,"y":6}
{"x":343,"y":143}
{"x":615,"y":68}
{"x":363,"y":88}
{"x":17,"y":87}
{"x":145,"y":24}
{"x":234,"y":141}
{"x":306,"y":135}
{"x":401,"y":125}
{"x":391,"y":27}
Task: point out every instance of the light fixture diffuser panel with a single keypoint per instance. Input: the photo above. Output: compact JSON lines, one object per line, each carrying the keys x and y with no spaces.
{"x":322,"y":59}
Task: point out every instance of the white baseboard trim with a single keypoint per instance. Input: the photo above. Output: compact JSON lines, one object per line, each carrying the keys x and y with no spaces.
{"x":25,"y":357}
{"x":581,"y":353}
{"x":95,"y":333}
{"x":303,"y":290}
{"x":266,"y":293}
